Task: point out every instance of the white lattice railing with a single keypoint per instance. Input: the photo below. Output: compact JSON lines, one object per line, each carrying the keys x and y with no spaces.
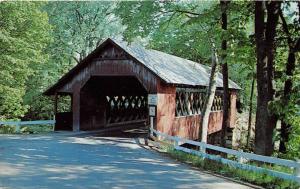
{"x":17,"y":124}
{"x":294,"y":165}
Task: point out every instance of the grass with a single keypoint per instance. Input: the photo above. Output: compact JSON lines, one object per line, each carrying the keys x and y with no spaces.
{"x":24,"y":129}
{"x":260,"y":179}
{"x":5,"y":129}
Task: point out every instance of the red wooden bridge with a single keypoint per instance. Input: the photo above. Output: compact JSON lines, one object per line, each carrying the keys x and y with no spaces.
{"x":111,"y":86}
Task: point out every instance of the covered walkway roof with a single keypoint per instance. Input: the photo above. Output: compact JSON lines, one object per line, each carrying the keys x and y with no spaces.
{"x":171,"y":69}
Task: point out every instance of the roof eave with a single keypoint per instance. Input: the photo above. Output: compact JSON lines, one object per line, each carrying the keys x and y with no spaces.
{"x":51,"y":90}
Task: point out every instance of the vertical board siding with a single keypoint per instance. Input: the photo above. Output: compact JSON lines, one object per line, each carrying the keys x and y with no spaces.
{"x":165,"y":107}
{"x":233,"y":110}
{"x":186,"y":126}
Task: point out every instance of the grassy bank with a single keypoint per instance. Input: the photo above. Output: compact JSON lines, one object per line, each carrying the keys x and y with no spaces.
{"x":31,"y":129}
{"x":260,"y":179}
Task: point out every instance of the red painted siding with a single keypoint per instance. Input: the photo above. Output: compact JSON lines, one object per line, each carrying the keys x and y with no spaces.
{"x":185,"y":126}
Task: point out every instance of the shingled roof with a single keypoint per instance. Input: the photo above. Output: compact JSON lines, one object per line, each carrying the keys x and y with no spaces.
{"x":171,"y":69}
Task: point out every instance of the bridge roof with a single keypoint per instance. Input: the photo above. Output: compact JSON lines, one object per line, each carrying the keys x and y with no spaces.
{"x":171,"y":69}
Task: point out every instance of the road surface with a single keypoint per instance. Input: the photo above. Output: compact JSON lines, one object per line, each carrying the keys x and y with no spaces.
{"x":58,"y":161}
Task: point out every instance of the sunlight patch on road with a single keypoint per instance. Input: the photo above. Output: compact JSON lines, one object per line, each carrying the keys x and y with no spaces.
{"x":65,"y":177}
{"x":126,"y":145}
{"x":23,"y":156}
{"x":76,"y":140}
{"x":156,"y":162}
{"x":86,"y":141}
{"x":66,"y":169}
{"x":8,"y":169}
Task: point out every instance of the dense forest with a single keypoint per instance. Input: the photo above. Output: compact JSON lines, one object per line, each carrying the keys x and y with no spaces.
{"x":257,"y":44}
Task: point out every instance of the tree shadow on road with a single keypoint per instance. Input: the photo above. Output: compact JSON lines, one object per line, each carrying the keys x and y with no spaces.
{"x":93,"y":162}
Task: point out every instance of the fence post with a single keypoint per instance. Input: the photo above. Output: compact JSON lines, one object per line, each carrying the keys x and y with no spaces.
{"x":297,"y":171}
{"x":203,"y":149}
{"x":18,"y":127}
{"x":241,"y":159}
{"x":54,"y":119}
{"x":176,"y":141}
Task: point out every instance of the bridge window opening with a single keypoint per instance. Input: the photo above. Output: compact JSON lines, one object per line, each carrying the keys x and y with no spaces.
{"x":126,"y":108}
{"x":191,"y":102}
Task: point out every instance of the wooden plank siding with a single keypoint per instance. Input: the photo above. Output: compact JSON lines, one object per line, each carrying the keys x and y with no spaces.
{"x":186,"y":126}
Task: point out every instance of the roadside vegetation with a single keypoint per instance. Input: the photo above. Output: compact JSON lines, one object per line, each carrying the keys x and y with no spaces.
{"x":255,"y":178}
{"x":31,"y":129}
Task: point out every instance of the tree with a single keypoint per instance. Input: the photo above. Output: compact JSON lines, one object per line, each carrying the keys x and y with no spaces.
{"x":210,"y":94}
{"x":24,"y":35}
{"x":77,"y":29}
{"x":169,"y":27}
{"x":226,"y":97}
{"x":293,"y":46}
{"x":265,"y":49}
{"x":250,"y":112}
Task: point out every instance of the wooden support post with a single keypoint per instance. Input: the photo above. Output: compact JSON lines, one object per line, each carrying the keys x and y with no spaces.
{"x":151,"y":126}
{"x":55,"y":104}
{"x":71,"y":104}
{"x":55,"y":108}
{"x":76,"y":109}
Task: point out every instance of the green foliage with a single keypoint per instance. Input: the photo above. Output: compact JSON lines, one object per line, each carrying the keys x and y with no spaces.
{"x":23,"y":36}
{"x":293,"y":144}
{"x":6,"y":129}
{"x":36,"y":129}
{"x":184,"y":29}
{"x":77,"y":28}
{"x":42,"y":41}
{"x":168,"y":28}
{"x":30,"y":129}
{"x":287,"y":107}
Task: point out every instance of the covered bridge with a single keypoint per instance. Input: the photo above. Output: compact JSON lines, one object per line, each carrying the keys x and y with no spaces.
{"x":111,"y":87}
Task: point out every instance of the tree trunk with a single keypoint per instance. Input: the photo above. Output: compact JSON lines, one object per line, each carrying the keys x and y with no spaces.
{"x":210,"y":94}
{"x":250,"y":111}
{"x":285,"y":126}
{"x":288,"y":84}
{"x":226,"y":99}
{"x":265,"y":49}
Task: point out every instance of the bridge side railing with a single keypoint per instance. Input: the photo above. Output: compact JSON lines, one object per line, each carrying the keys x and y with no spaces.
{"x":294,"y":165}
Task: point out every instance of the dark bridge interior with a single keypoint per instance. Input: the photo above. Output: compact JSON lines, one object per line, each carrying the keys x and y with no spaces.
{"x":107,"y":101}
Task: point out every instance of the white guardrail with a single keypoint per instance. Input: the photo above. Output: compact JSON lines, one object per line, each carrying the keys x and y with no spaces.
{"x":27,"y":123}
{"x":295,"y":166}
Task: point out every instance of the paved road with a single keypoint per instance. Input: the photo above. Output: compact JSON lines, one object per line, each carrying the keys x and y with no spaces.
{"x":52,"y":161}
